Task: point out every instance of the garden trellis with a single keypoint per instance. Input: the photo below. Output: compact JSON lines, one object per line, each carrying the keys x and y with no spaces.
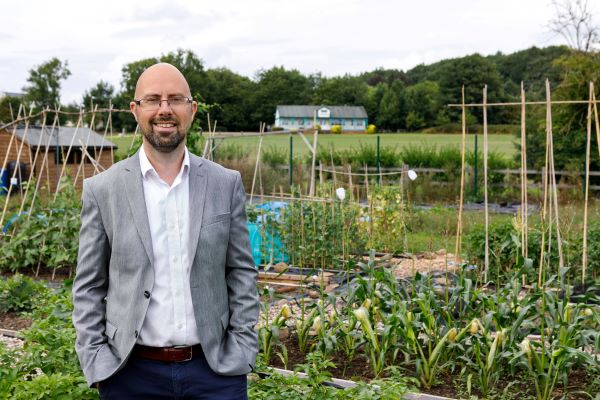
{"x":549,"y":211}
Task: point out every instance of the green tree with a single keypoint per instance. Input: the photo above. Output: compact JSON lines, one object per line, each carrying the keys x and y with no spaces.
{"x":341,"y":90}
{"x":45,"y":82}
{"x":422,"y":104}
{"x":474,"y":72}
{"x":380,"y":75}
{"x":9,"y":107}
{"x":278,"y":86}
{"x":569,"y":121}
{"x":392,"y":108}
{"x":100,"y":95}
{"x":229,"y":96}
{"x":374,"y":96}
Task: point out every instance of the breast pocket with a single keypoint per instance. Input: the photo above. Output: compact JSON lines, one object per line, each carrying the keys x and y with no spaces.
{"x":215,"y":219}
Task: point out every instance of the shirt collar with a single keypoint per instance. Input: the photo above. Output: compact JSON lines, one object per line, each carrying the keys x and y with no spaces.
{"x":146,"y":166}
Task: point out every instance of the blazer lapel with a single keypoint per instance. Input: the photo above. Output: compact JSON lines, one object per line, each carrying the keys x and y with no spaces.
{"x":132,"y":180}
{"x":198,"y":181}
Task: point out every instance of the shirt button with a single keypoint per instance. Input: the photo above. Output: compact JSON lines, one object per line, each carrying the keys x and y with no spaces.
{"x":136,"y":333}
{"x":147,"y":294}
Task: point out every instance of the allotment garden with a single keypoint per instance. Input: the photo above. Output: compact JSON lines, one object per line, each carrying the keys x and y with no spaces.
{"x":386,"y":271}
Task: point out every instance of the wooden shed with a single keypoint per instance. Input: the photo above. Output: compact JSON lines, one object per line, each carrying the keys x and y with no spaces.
{"x":42,"y":152}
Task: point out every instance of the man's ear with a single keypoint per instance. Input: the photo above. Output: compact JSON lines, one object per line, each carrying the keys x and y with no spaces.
{"x":133,"y":109}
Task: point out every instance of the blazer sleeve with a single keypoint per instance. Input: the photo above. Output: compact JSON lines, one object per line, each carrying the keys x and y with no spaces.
{"x":91,"y":282}
{"x":241,"y":276}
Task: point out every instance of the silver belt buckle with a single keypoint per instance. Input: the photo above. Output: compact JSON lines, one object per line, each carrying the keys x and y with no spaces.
{"x":191,"y":352}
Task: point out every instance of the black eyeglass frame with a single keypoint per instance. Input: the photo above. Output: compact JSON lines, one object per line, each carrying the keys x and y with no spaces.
{"x":139,"y":102}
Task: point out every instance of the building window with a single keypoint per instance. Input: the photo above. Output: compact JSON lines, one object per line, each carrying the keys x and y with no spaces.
{"x":359,"y":123}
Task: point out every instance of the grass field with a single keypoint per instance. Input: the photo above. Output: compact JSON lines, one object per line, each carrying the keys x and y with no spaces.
{"x":503,"y":144}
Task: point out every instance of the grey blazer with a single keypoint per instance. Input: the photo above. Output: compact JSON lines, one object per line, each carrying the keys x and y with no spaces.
{"x":115,"y":276}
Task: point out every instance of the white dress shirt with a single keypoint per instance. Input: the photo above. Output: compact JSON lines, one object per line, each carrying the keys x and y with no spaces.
{"x":170,"y":317}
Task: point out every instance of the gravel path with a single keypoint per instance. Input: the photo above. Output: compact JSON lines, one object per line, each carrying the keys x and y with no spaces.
{"x":10,"y":342}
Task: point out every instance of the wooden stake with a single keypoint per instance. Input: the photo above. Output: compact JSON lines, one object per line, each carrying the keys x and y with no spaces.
{"x":262,"y":127}
{"x":524,"y":199}
{"x":457,"y":252}
{"x":314,"y":155}
{"x":587,"y":184}
{"x":81,"y":168}
{"x":66,"y":158}
{"x":44,"y":162}
{"x":546,"y":179}
{"x":485,"y":187}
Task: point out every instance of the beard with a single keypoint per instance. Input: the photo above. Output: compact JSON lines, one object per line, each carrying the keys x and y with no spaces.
{"x":161,"y":142}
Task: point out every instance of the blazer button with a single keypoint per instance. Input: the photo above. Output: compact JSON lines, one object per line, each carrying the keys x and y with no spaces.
{"x":146,"y":294}
{"x":136,"y":334}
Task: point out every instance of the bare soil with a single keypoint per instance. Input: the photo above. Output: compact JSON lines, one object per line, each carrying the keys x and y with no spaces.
{"x":14,"y":322}
{"x":448,"y":385}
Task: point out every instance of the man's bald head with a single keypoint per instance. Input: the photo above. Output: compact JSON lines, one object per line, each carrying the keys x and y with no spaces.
{"x":159,"y":75}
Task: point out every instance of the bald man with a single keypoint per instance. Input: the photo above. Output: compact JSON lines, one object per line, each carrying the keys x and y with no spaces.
{"x":164,"y":297}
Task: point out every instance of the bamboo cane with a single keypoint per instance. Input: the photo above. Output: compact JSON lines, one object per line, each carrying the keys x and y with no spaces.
{"x":588,"y":146}
{"x":485,"y":187}
{"x":546,"y":178}
{"x":81,"y":168}
{"x":314,"y":155}
{"x":44,"y":161}
{"x":66,"y":157}
{"x":462,"y":182}
{"x":561,"y":262}
{"x":523,"y":208}
{"x":106,"y":129}
{"x":257,"y":160}
{"x":597,"y":124}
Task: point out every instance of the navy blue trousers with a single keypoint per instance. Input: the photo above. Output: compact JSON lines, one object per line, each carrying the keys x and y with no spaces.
{"x":148,"y":379}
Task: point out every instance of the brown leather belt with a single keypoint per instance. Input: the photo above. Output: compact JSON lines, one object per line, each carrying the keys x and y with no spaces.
{"x":168,"y":354}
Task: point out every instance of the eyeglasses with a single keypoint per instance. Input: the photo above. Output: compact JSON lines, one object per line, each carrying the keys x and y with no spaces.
{"x":155,"y":103}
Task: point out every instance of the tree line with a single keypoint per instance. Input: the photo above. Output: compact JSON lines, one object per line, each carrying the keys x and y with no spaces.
{"x":395,"y":100}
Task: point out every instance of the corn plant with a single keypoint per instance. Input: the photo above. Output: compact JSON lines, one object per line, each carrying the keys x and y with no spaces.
{"x":305,"y":323}
{"x":563,"y":334}
{"x":268,"y":332}
{"x":347,"y":337}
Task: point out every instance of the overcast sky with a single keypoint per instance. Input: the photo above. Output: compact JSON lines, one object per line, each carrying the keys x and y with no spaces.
{"x":333,"y":37}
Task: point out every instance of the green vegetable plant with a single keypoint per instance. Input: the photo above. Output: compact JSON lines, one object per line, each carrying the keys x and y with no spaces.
{"x":269,"y":329}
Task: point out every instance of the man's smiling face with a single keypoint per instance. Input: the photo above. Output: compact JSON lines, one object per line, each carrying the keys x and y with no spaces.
{"x":164,"y":127}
